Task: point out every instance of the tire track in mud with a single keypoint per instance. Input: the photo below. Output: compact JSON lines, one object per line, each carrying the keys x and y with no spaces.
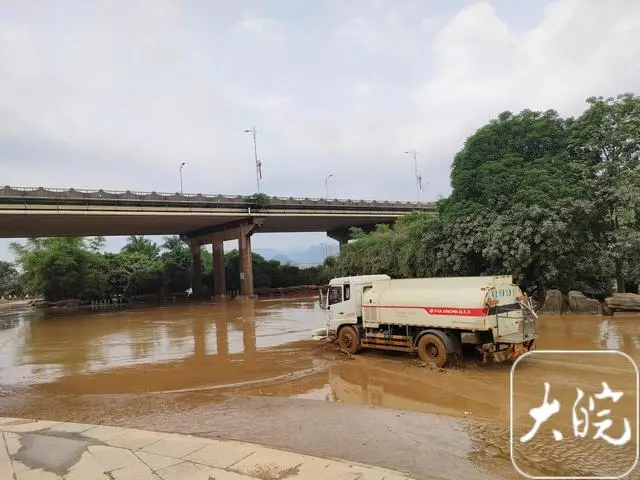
{"x":570,"y":457}
{"x":394,"y":382}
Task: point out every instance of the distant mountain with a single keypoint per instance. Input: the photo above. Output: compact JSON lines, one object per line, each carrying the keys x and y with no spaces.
{"x":314,"y":255}
{"x":281,"y":259}
{"x":267,"y":253}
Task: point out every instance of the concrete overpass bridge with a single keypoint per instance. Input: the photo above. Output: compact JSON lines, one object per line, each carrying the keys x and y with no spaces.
{"x":199,"y":219}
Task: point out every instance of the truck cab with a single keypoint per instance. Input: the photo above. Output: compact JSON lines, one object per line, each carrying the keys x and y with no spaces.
{"x":343,"y":300}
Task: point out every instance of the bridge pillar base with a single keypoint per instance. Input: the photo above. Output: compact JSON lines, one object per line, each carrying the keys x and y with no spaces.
{"x":246,"y":262}
{"x":341,"y":236}
{"x":240,"y":230}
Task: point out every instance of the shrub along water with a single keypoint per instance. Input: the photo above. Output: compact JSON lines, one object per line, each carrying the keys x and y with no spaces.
{"x":76,"y":267}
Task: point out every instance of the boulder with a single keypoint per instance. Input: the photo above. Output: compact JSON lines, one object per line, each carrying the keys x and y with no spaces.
{"x":40,"y":304}
{"x":624,"y":301}
{"x":581,"y":305}
{"x":553,"y":303}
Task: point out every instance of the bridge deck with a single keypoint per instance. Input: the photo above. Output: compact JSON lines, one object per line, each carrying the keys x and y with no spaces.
{"x":28,"y":212}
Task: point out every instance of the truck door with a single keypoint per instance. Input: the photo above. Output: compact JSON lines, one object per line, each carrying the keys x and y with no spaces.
{"x":341,"y":307}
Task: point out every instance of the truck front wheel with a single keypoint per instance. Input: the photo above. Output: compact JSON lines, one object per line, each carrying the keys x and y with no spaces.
{"x":431,"y":349}
{"x":349,"y":340}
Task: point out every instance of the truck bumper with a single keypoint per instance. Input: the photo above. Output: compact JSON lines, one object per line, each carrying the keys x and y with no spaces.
{"x":492,"y":353}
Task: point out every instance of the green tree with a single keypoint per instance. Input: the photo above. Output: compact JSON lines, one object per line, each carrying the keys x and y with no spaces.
{"x":96,"y":244}
{"x":607,"y":136}
{"x":9,"y":279}
{"x":533,"y":195}
{"x":258,"y":201}
{"x":176,"y":260}
{"x":61,"y":268}
{"x":141,"y":245}
{"x":493,"y":164}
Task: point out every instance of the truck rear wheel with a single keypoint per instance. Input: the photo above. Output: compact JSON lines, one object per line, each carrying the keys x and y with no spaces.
{"x":431,"y":349}
{"x":349,"y":340}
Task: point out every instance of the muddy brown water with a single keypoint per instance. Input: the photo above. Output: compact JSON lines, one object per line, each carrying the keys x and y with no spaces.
{"x":247,"y":370}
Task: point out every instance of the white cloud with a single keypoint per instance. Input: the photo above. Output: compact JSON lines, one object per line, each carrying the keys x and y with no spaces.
{"x":578,"y":49}
{"x":260,"y":26}
{"x":116,"y":94}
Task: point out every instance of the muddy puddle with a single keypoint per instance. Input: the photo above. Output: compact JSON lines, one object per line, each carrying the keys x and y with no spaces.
{"x":158,"y":349}
{"x":247,"y":370}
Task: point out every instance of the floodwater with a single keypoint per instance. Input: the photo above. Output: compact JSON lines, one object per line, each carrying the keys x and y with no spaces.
{"x":172,"y":348}
{"x":199,"y":367}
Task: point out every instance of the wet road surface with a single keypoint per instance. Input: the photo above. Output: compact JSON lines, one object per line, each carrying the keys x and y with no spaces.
{"x":247,"y":371}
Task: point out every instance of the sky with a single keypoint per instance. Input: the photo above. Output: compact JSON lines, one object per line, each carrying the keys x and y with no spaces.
{"x":116,"y":94}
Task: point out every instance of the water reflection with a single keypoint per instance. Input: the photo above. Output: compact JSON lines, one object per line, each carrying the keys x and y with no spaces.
{"x":391,"y":381}
{"x":609,"y":337}
{"x":37,"y":348}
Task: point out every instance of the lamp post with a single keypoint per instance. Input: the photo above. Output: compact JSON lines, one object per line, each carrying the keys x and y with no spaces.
{"x":255,"y":153}
{"x":418,"y":177}
{"x":181,"y":165}
{"x":326,"y":185}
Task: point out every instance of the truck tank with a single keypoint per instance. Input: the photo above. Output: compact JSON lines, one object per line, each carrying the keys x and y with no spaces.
{"x":456,"y":302}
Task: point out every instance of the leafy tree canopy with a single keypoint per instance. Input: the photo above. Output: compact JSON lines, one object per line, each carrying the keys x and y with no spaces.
{"x":553,"y":201}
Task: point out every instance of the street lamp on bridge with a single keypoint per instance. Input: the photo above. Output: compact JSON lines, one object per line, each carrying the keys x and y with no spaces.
{"x":326,"y":185}
{"x":180,"y":169}
{"x":255,"y":154}
{"x":418,"y":177}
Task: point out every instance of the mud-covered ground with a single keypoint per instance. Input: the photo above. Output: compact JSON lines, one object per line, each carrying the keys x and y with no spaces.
{"x":247,"y":373}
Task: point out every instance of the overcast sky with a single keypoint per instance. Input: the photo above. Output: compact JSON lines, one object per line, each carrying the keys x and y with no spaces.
{"x":115,"y":94}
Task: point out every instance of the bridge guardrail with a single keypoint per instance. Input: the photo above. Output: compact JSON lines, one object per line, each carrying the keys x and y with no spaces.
{"x":30,"y":193}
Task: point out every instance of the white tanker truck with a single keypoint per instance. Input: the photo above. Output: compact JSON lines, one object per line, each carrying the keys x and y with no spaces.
{"x":433,"y":316}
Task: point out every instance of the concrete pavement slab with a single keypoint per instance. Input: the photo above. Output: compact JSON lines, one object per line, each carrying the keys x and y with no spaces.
{"x":177,"y":446}
{"x":37,"y":475}
{"x":137,"y":471}
{"x":221,"y":454}
{"x":32,"y":450}
{"x":27,"y":426}
{"x":156,"y":462}
{"x":6,"y":469}
{"x":86,"y":469}
{"x":183,"y":471}
{"x":113,"y":458}
{"x":103,"y":433}
{"x":70,"y":427}
{"x":136,"y":439}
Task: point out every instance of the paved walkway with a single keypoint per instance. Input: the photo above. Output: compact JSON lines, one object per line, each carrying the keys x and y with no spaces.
{"x":34,"y":450}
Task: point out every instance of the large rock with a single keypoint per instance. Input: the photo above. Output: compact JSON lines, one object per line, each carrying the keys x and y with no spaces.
{"x":624,"y":301}
{"x":553,"y":303}
{"x":581,"y":305}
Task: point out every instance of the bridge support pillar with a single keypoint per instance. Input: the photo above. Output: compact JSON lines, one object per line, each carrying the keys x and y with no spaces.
{"x":196,"y":269}
{"x":219,"y":279}
{"x":240,"y":230}
{"x":246,"y":262}
{"x":341,"y":236}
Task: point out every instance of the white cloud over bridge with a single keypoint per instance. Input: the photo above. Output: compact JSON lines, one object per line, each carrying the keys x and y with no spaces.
{"x":115,"y":95}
